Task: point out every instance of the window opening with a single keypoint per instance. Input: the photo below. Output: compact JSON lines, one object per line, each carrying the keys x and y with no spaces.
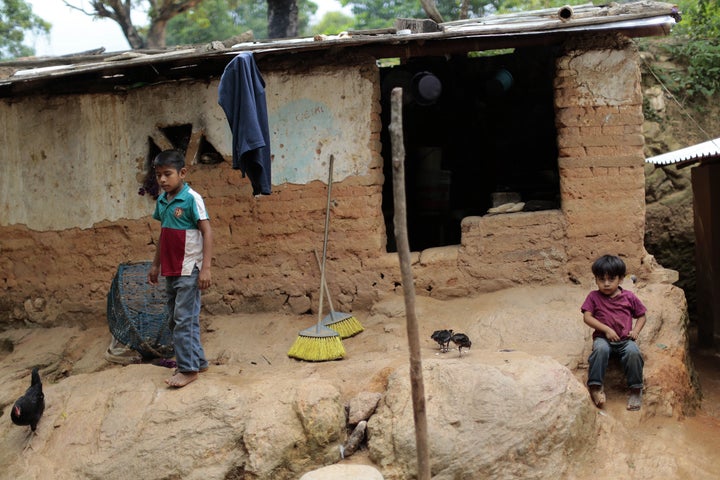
{"x":207,"y":154}
{"x":182,"y":138}
{"x":179,"y":135}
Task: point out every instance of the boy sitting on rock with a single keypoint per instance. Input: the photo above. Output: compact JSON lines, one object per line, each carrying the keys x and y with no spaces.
{"x":610,"y":310}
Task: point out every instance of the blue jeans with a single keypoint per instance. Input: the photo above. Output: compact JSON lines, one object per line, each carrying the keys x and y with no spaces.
{"x":630,"y":359}
{"x":184,"y":307}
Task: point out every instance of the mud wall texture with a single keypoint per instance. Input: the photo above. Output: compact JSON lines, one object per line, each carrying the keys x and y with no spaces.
{"x":72,"y":167}
{"x":599,"y":121}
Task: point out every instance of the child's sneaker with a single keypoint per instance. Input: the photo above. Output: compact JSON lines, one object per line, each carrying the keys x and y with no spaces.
{"x":598,"y":395}
{"x":635,"y":399}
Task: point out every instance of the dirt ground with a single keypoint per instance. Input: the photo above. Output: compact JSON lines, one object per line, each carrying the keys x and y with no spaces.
{"x":630,"y":444}
{"x":661,"y":447}
{"x":655,"y":447}
{"x":248,"y":348}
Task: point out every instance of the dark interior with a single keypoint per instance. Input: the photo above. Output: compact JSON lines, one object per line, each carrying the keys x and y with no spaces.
{"x":473,"y":125}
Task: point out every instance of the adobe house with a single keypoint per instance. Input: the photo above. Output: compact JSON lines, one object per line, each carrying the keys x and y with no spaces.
{"x":536,"y":117}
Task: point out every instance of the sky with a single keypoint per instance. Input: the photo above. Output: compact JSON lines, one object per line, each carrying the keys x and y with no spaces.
{"x":73,"y":31}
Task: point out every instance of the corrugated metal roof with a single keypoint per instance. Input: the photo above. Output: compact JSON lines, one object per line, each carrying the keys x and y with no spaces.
{"x":694,"y":153}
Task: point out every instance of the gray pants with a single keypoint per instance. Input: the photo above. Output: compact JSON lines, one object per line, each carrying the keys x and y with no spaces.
{"x":184,"y":307}
{"x":630,"y":359}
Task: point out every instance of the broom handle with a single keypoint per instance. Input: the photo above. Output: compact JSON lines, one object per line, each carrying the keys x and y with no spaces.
{"x":327,"y":290}
{"x":325,"y":240}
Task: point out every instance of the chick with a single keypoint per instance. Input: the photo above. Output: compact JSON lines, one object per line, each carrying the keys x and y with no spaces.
{"x":442,"y":337}
{"x":461,"y":340}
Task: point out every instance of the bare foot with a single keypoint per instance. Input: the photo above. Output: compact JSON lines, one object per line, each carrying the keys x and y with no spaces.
{"x":635,"y":399}
{"x":598,"y":395}
{"x":180,"y":379}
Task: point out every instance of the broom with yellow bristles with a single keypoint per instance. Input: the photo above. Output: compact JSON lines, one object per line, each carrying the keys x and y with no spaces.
{"x":320,"y":343}
{"x":344,"y":324}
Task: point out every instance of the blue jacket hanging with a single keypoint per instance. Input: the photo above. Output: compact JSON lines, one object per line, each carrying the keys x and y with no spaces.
{"x":241,"y":95}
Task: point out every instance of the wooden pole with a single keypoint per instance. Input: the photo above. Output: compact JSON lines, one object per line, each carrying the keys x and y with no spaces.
{"x":403,"y":247}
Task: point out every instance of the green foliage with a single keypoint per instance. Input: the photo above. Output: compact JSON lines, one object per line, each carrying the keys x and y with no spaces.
{"x":382,"y":13}
{"x":252,"y":15}
{"x":491,"y":53}
{"x":701,"y":19}
{"x":306,"y":9}
{"x":333,"y":23}
{"x":16,"y":19}
{"x":505,"y":6}
{"x":696,"y":46}
{"x":222,"y":19}
{"x":649,"y":113}
{"x":195,"y":26}
{"x":476,"y":8}
{"x":701,"y":59}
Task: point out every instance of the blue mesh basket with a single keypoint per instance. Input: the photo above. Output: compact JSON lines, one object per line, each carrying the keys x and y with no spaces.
{"x":137,"y":312}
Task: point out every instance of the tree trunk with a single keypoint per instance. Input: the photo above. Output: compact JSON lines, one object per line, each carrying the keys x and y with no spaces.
{"x":431,"y":10}
{"x":160,"y":14}
{"x":282,"y":18}
{"x":118,"y":11}
{"x":464,"y":6}
{"x":161,"y":11}
{"x":156,"y":34}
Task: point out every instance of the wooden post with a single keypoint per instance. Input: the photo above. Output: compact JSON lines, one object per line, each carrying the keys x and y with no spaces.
{"x":403,"y":248}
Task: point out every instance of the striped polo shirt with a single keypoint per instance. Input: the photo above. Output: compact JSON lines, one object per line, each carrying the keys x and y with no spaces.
{"x":181,"y":242}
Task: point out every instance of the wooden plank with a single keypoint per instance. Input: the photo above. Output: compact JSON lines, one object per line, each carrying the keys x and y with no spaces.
{"x":158,"y":136}
{"x":193,"y":147}
{"x":417,"y":25}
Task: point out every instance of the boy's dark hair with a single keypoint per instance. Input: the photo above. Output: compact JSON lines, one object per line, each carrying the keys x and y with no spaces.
{"x":609,"y":265}
{"x":170,"y":158}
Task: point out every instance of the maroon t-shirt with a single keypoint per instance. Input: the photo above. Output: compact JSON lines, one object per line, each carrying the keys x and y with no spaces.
{"x":617,"y":312}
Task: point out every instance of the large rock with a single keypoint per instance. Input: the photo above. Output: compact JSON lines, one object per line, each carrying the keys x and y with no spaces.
{"x":547,"y":321}
{"x":503,"y":415}
{"x":125,"y":424}
{"x":344,"y":472}
{"x":511,"y":405}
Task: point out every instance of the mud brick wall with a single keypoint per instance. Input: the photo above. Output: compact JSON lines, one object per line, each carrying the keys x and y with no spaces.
{"x":504,"y":250}
{"x":264,"y":247}
{"x":263,"y":251}
{"x":598,"y":104}
{"x":55,"y":271}
{"x":599,"y":123}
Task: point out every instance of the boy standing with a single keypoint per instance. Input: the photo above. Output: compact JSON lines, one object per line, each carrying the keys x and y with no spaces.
{"x":610,"y":310}
{"x":183,"y":255}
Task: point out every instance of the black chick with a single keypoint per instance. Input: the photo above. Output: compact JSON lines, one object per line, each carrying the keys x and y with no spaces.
{"x":29,"y":408}
{"x":442,"y":337}
{"x":461,"y":340}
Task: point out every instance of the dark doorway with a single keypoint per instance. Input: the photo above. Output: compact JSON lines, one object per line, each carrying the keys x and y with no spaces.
{"x":474,"y":126}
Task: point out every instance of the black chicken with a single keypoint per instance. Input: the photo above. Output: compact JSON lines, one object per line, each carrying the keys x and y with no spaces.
{"x":29,"y":408}
{"x":442,"y":337}
{"x":461,"y":340}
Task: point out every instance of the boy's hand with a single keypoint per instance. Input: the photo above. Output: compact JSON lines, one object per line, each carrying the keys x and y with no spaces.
{"x":153,"y":275}
{"x":611,"y":335}
{"x":205,"y":279}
